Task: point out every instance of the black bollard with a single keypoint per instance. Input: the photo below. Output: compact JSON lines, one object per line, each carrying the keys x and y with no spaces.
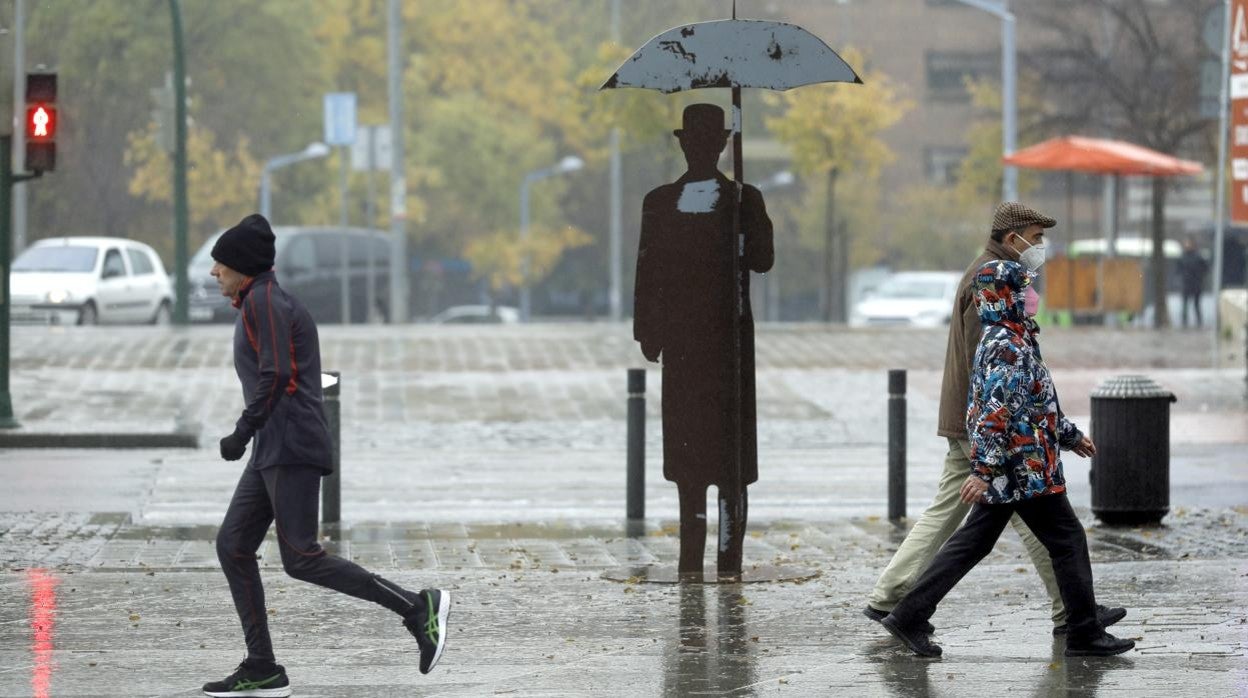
{"x":331,"y":492}
{"x":636,"y":497}
{"x":896,"y":444}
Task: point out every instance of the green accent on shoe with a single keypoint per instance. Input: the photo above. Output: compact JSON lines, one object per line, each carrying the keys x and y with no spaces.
{"x":431,"y":621}
{"x":253,"y":685}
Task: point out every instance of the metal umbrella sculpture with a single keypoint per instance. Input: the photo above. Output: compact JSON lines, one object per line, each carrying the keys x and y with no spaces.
{"x":733,"y":53}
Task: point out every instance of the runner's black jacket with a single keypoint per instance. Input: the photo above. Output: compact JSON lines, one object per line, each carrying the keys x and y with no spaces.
{"x":277,"y":356}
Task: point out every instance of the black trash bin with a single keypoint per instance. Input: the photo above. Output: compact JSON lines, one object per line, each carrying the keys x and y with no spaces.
{"x":1130,"y":472}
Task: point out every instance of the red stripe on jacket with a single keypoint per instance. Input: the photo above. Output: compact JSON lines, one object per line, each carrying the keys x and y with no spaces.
{"x":272,"y":331}
{"x":293,"y":385}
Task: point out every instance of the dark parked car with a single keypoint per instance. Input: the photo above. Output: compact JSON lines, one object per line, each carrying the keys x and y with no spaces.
{"x":310,"y":264}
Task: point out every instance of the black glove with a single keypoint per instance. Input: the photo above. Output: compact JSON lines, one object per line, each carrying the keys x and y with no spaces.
{"x":233,"y":446}
{"x":651,"y":351}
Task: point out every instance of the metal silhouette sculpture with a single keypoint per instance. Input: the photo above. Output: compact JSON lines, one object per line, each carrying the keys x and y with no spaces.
{"x":735,"y":54}
{"x":684,"y":315}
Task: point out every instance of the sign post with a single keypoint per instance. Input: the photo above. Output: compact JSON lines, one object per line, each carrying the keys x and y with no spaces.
{"x":340,"y":131}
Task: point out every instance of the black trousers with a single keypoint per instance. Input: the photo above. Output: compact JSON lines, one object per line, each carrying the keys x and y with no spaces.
{"x":1194,"y":298}
{"x":288,"y":495}
{"x":1053,"y":522}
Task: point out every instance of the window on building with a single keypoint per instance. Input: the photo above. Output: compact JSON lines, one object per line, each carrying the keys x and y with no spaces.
{"x":942,"y":164}
{"x":948,"y":71}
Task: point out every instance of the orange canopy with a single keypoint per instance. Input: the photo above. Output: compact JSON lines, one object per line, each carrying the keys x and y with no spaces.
{"x":1102,"y":156}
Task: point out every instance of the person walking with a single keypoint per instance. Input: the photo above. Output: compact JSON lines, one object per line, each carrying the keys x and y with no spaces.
{"x":1017,"y":430}
{"x":278,"y":360}
{"x":1192,"y":268}
{"x":1016,"y":231}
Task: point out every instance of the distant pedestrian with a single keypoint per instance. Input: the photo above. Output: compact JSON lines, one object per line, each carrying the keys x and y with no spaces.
{"x":1017,"y":234}
{"x":278,"y":360}
{"x":1017,"y":429}
{"x":1192,"y":268}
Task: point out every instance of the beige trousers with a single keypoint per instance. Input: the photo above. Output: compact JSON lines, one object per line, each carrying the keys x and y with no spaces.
{"x":937,"y":524}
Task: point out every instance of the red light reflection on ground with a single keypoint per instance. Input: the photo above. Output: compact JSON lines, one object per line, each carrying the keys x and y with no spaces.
{"x":42,"y":623}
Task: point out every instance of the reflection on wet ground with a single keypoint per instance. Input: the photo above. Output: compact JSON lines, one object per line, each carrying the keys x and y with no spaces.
{"x":569,"y":633}
{"x":709,"y":655}
{"x":42,"y":626}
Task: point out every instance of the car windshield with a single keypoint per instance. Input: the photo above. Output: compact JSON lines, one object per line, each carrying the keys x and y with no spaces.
{"x":911,"y":288}
{"x":62,"y":258}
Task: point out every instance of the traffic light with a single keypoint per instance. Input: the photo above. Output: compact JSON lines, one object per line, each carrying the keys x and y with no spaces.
{"x":41,"y":121}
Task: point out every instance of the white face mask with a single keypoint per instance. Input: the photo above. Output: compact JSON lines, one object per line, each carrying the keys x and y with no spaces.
{"x":1032,"y":257}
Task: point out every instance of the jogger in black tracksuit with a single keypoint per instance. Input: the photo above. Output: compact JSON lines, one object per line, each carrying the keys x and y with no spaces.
{"x":278,"y":360}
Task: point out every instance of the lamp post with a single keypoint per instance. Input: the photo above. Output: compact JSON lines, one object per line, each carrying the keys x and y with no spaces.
{"x":313,"y":151}
{"x":570,"y":163}
{"x":1009,"y":99}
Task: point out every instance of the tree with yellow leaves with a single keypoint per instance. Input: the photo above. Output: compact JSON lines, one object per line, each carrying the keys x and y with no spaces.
{"x":221,"y":182}
{"x":834,"y":130}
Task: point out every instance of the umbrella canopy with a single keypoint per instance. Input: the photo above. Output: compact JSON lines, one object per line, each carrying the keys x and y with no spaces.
{"x":1101,"y":156}
{"x":732,"y":53}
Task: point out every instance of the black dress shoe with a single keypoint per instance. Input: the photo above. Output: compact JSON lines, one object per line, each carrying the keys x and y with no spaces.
{"x":877,"y":615}
{"x":914,"y":638}
{"x":1104,"y":646}
{"x":1107,"y":616}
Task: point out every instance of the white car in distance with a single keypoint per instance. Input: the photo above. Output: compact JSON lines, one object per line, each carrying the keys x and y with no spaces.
{"x":909,"y":299}
{"x":89,"y":280}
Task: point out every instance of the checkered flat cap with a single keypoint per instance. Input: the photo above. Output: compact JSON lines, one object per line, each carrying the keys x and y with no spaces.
{"x":1012,"y":215}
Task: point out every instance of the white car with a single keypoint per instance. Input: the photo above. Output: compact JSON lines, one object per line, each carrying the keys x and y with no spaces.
{"x":909,"y":299}
{"x":477,"y":315}
{"x":89,"y":280}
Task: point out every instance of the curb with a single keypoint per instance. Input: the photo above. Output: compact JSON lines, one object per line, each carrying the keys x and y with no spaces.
{"x":98,"y":440}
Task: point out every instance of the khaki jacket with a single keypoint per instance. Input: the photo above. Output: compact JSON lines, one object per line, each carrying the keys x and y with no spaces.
{"x":964,"y":333}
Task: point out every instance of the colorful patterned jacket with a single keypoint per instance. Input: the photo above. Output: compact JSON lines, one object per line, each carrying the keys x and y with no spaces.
{"x":1014,"y":421}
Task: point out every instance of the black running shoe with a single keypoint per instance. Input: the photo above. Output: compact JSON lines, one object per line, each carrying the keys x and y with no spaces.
{"x":252,"y":679}
{"x":428,"y":625}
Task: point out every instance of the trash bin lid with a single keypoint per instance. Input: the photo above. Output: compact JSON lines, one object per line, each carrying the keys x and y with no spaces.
{"x":1129,"y":387}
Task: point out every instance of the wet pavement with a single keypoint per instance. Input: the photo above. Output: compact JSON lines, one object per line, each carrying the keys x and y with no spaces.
{"x":491,"y":462}
{"x":125,"y":609}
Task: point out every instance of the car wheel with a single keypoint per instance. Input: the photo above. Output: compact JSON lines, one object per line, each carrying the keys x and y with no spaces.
{"x":163,"y":315}
{"x":88,"y":314}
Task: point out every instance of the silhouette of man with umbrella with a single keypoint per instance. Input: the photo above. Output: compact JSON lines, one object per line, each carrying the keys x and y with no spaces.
{"x":684,"y":317}
{"x":733,"y":54}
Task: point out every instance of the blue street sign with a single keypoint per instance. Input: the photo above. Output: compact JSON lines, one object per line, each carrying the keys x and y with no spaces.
{"x":339,"y":118}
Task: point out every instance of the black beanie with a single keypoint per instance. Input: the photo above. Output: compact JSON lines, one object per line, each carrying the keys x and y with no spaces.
{"x":247,"y":248}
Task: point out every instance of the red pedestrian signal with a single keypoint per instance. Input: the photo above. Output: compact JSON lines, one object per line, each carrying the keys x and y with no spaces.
{"x":41,"y":121}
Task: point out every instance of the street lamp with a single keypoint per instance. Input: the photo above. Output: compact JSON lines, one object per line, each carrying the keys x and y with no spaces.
{"x":1009,"y":101}
{"x":570,"y":163}
{"x":313,"y":151}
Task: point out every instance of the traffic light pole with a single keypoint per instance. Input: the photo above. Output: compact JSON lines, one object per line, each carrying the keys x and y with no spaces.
{"x":7,"y":179}
{"x":182,"y":288}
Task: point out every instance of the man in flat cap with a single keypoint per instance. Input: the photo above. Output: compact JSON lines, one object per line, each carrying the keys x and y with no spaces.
{"x":278,"y":360}
{"x":1017,"y":236}
{"x":685,"y":299}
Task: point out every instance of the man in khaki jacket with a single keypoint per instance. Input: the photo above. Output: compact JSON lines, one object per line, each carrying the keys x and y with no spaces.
{"x":1015,"y":229}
